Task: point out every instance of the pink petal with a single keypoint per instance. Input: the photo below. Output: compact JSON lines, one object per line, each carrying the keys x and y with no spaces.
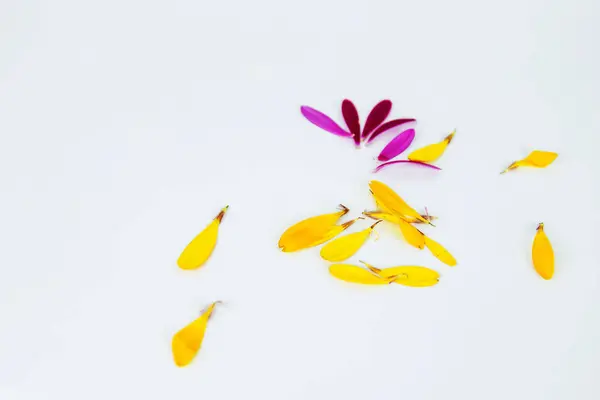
{"x":376,"y":117}
{"x":389,"y":125}
{"x":422,"y":164}
{"x":397,"y":145}
{"x":323,"y":121}
{"x":351,"y":117}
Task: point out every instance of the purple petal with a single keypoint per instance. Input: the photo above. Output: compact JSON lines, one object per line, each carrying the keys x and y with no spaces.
{"x":323,"y":121}
{"x":397,"y":145}
{"x":351,"y":117}
{"x":376,"y":117}
{"x":389,"y":125}
{"x":422,"y":164}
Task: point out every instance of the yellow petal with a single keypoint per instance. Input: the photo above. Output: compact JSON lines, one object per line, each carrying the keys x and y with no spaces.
{"x":314,"y":226}
{"x":440,"y":252}
{"x":537,"y":158}
{"x":201,"y":247}
{"x":542,"y":254}
{"x":412,"y":235}
{"x":187,"y":342}
{"x":432,"y":152}
{"x":384,"y":216}
{"x":407,"y":275}
{"x":315,"y":238}
{"x":540,"y":159}
{"x":390,"y":202}
{"x":412,"y":276}
{"x":355,"y":274}
{"x":345,"y":247}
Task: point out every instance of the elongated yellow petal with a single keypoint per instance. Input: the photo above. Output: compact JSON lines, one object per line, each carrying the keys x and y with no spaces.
{"x":440,"y":252}
{"x":314,"y":238}
{"x":407,"y":275}
{"x":432,"y":152}
{"x":201,"y":247}
{"x":390,"y":202}
{"x":542,"y":254}
{"x":412,"y":235}
{"x":355,"y":274}
{"x":537,"y":158}
{"x":412,"y":276}
{"x":187,"y":342}
{"x":384,"y":216}
{"x":314,"y":226}
{"x":345,"y":247}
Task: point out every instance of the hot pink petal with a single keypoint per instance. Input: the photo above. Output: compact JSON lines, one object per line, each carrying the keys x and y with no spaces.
{"x":351,"y":117}
{"x":389,"y":125}
{"x":418,"y":163}
{"x":323,"y":121}
{"x":376,"y":117}
{"x":397,"y":145}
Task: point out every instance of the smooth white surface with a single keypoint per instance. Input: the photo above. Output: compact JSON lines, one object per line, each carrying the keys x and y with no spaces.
{"x":126,"y":125}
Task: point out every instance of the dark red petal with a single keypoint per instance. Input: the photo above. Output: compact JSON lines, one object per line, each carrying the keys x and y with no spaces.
{"x":351,"y":117}
{"x":376,"y":117}
{"x":389,"y":125}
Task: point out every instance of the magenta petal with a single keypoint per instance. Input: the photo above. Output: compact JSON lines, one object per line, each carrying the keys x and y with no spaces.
{"x":323,"y":121}
{"x":397,"y":145}
{"x":422,"y":164}
{"x":376,"y":117}
{"x":351,"y":117}
{"x":389,"y":125}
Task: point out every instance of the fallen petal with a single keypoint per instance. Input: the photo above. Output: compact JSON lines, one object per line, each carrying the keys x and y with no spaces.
{"x":323,"y":121}
{"x":376,"y":117}
{"x":397,"y":145}
{"x":542,"y":254}
{"x":389,"y":125}
{"x":350,"y":114}
{"x":417,"y":163}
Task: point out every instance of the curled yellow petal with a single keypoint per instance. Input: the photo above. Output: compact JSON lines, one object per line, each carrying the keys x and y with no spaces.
{"x":390,"y":202}
{"x":412,"y":235}
{"x":187,"y":342}
{"x":346,"y":246}
{"x":201,"y":247}
{"x":537,"y":159}
{"x":440,"y":252}
{"x":356,"y":274}
{"x":431,"y":152}
{"x":542,"y":254}
{"x":310,"y":227}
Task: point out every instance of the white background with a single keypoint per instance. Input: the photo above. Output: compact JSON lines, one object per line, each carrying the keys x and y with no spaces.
{"x":126,"y":125}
